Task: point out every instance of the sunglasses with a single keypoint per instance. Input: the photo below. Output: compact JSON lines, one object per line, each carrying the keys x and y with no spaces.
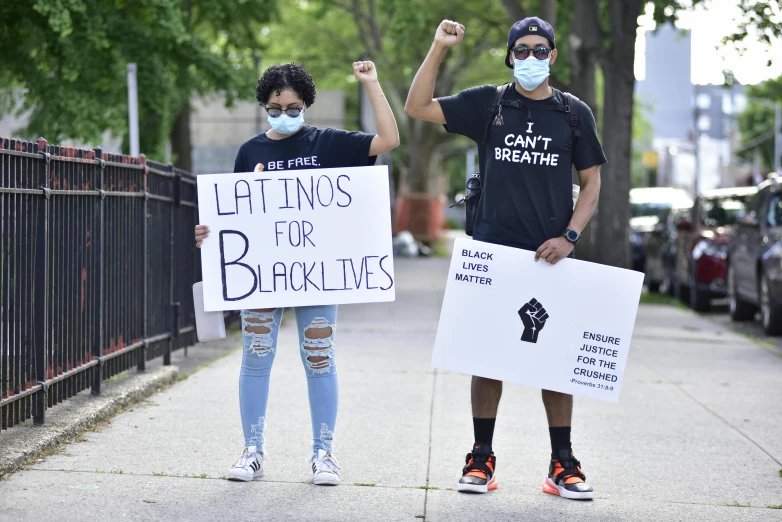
{"x":276,"y":113}
{"x":540,"y":52}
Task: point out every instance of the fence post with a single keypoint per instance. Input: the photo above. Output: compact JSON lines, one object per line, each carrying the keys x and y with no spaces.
{"x":41,"y":292}
{"x":97,"y":349}
{"x":142,"y":352}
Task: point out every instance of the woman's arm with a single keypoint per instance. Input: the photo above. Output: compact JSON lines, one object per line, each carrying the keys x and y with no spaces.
{"x":387,"y":137}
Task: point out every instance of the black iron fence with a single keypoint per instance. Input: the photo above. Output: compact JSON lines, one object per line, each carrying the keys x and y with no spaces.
{"x":97,"y":263}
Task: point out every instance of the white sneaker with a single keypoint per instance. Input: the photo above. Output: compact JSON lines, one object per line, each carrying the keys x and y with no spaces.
{"x":248,"y":467}
{"x":325,"y":469}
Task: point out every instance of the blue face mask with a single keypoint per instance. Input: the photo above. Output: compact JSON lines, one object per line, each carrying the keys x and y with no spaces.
{"x":284,"y":124}
{"x":531,"y":72}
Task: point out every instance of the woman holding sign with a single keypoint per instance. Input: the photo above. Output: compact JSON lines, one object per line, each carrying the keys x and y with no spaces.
{"x":286,"y":91}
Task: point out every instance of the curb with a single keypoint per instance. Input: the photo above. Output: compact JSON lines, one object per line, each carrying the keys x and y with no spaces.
{"x":24,"y":443}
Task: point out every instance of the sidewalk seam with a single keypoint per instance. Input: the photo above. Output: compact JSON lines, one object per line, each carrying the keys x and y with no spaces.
{"x":431,"y":428}
{"x":712,"y":412}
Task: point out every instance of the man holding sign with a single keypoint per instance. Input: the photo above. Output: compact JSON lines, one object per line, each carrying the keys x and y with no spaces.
{"x":528,"y":138}
{"x":286,"y":91}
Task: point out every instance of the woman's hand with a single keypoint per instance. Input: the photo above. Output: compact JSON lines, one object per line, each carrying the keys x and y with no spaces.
{"x":365,"y":72}
{"x":201,"y":233}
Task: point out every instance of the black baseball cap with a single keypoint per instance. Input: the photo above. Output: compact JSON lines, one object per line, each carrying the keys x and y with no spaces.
{"x":532,"y":25}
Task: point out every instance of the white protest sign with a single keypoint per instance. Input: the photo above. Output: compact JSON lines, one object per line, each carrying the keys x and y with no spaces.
{"x":564,"y":327}
{"x":296,"y":238}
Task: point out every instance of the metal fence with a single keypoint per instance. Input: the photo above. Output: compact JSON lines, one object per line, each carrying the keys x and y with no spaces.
{"x":97,"y":263}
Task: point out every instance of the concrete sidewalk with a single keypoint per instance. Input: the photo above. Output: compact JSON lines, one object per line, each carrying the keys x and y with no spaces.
{"x":697,"y":435}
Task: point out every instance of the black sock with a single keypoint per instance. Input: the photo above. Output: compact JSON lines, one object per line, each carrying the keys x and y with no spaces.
{"x":560,"y":440}
{"x":484,"y":432}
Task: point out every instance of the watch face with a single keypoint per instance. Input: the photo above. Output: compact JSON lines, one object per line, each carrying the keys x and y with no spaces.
{"x":572,"y":235}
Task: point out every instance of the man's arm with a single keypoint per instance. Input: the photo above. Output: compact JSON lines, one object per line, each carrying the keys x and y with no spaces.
{"x":587,"y":198}
{"x":558,"y":248}
{"x":420,"y":102}
{"x":387,"y":137}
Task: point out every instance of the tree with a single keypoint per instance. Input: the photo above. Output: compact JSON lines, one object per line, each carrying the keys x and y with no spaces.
{"x":69,"y":62}
{"x":756,"y":123}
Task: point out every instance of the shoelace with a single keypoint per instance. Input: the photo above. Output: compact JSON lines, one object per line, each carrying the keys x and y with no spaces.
{"x":244,"y":460}
{"x":327,"y":463}
{"x":571,"y":469}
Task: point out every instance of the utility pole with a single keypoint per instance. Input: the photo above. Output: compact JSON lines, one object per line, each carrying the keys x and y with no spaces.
{"x":778,"y":138}
{"x":133,"y":109}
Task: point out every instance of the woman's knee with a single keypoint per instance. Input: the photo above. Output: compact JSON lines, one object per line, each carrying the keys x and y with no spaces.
{"x":318,"y":347}
{"x":259,"y":331}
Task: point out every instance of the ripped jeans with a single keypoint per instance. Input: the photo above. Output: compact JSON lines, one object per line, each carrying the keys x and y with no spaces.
{"x":316,"y":325}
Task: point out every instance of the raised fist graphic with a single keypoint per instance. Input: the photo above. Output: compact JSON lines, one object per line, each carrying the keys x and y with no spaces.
{"x":534,"y":317}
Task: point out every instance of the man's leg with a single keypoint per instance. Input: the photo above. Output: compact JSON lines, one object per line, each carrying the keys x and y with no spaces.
{"x":478,"y":473}
{"x":565,"y":477}
{"x":559,"y":411}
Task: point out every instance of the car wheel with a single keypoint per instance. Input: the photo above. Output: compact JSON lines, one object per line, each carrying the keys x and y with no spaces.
{"x":740,"y":310}
{"x":770,"y":314}
{"x":699,"y":300}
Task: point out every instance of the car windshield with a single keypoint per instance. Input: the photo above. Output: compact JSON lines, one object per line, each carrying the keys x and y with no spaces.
{"x":650,"y":209}
{"x":720,"y":212}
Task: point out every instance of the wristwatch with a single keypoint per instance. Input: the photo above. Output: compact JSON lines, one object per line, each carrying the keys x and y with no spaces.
{"x":571,"y":235}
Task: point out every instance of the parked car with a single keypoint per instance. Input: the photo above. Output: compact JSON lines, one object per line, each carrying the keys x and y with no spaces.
{"x":755,"y":260}
{"x":660,"y":250}
{"x":702,"y":244}
{"x":648,"y":206}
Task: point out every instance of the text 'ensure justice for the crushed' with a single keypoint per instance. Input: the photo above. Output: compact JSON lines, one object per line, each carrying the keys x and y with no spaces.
{"x":304,"y":193}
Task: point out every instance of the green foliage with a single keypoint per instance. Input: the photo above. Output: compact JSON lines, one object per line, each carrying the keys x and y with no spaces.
{"x":69,"y":58}
{"x":756,"y":123}
{"x":643,"y":134}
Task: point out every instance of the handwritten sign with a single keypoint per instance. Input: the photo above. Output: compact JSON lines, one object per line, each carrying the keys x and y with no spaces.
{"x":565,"y":327}
{"x":296,"y":238}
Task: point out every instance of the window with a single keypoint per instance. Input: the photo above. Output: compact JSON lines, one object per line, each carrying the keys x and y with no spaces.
{"x":724,"y":211}
{"x":774,"y":217}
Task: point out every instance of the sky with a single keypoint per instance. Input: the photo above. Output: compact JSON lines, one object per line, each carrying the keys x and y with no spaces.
{"x":709,"y":26}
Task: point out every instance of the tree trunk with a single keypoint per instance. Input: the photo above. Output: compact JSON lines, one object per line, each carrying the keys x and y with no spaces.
{"x":548,"y":12}
{"x":585,"y":44}
{"x":181,"y":144}
{"x":424,"y":161}
{"x":611,"y":230}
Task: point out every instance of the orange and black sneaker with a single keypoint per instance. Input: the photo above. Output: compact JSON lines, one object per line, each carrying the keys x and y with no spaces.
{"x":565,"y":478}
{"x":478,"y":473}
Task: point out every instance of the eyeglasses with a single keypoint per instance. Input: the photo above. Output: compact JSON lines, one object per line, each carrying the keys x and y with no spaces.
{"x":540,"y":52}
{"x":293,"y":112}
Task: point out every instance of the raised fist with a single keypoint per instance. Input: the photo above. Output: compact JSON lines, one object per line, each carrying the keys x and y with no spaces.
{"x":534,"y":317}
{"x":449,"y":33}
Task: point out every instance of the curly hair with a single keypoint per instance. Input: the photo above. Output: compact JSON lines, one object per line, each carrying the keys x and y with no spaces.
{"x":286,"y":76}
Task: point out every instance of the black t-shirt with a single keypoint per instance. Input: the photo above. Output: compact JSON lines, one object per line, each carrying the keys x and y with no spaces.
{"x":527,"y":187}
{"x":310,"y":148}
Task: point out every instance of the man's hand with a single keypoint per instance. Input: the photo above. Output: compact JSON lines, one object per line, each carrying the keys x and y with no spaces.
{"x":449,"y":33}
{"x":554,"y":249}
{"x":365,"y":72}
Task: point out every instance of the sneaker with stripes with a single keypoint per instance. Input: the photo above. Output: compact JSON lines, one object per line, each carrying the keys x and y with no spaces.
{"x":325,"y":469}
{"x":248,"y":466}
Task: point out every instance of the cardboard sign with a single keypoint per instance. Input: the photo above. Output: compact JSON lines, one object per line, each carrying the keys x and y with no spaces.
{"x":296,"y":238}
{"x":564,"y":327}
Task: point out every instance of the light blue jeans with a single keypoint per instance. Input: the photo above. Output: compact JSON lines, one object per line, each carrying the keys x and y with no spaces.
{"x":260,"y":329}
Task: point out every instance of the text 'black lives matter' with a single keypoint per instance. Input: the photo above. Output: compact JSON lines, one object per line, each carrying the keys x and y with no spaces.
{"x":474,"y":266}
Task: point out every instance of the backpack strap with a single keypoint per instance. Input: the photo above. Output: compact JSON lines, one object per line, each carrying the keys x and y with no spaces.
{"x":573,"y":113}
{"x":494,"y":108}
